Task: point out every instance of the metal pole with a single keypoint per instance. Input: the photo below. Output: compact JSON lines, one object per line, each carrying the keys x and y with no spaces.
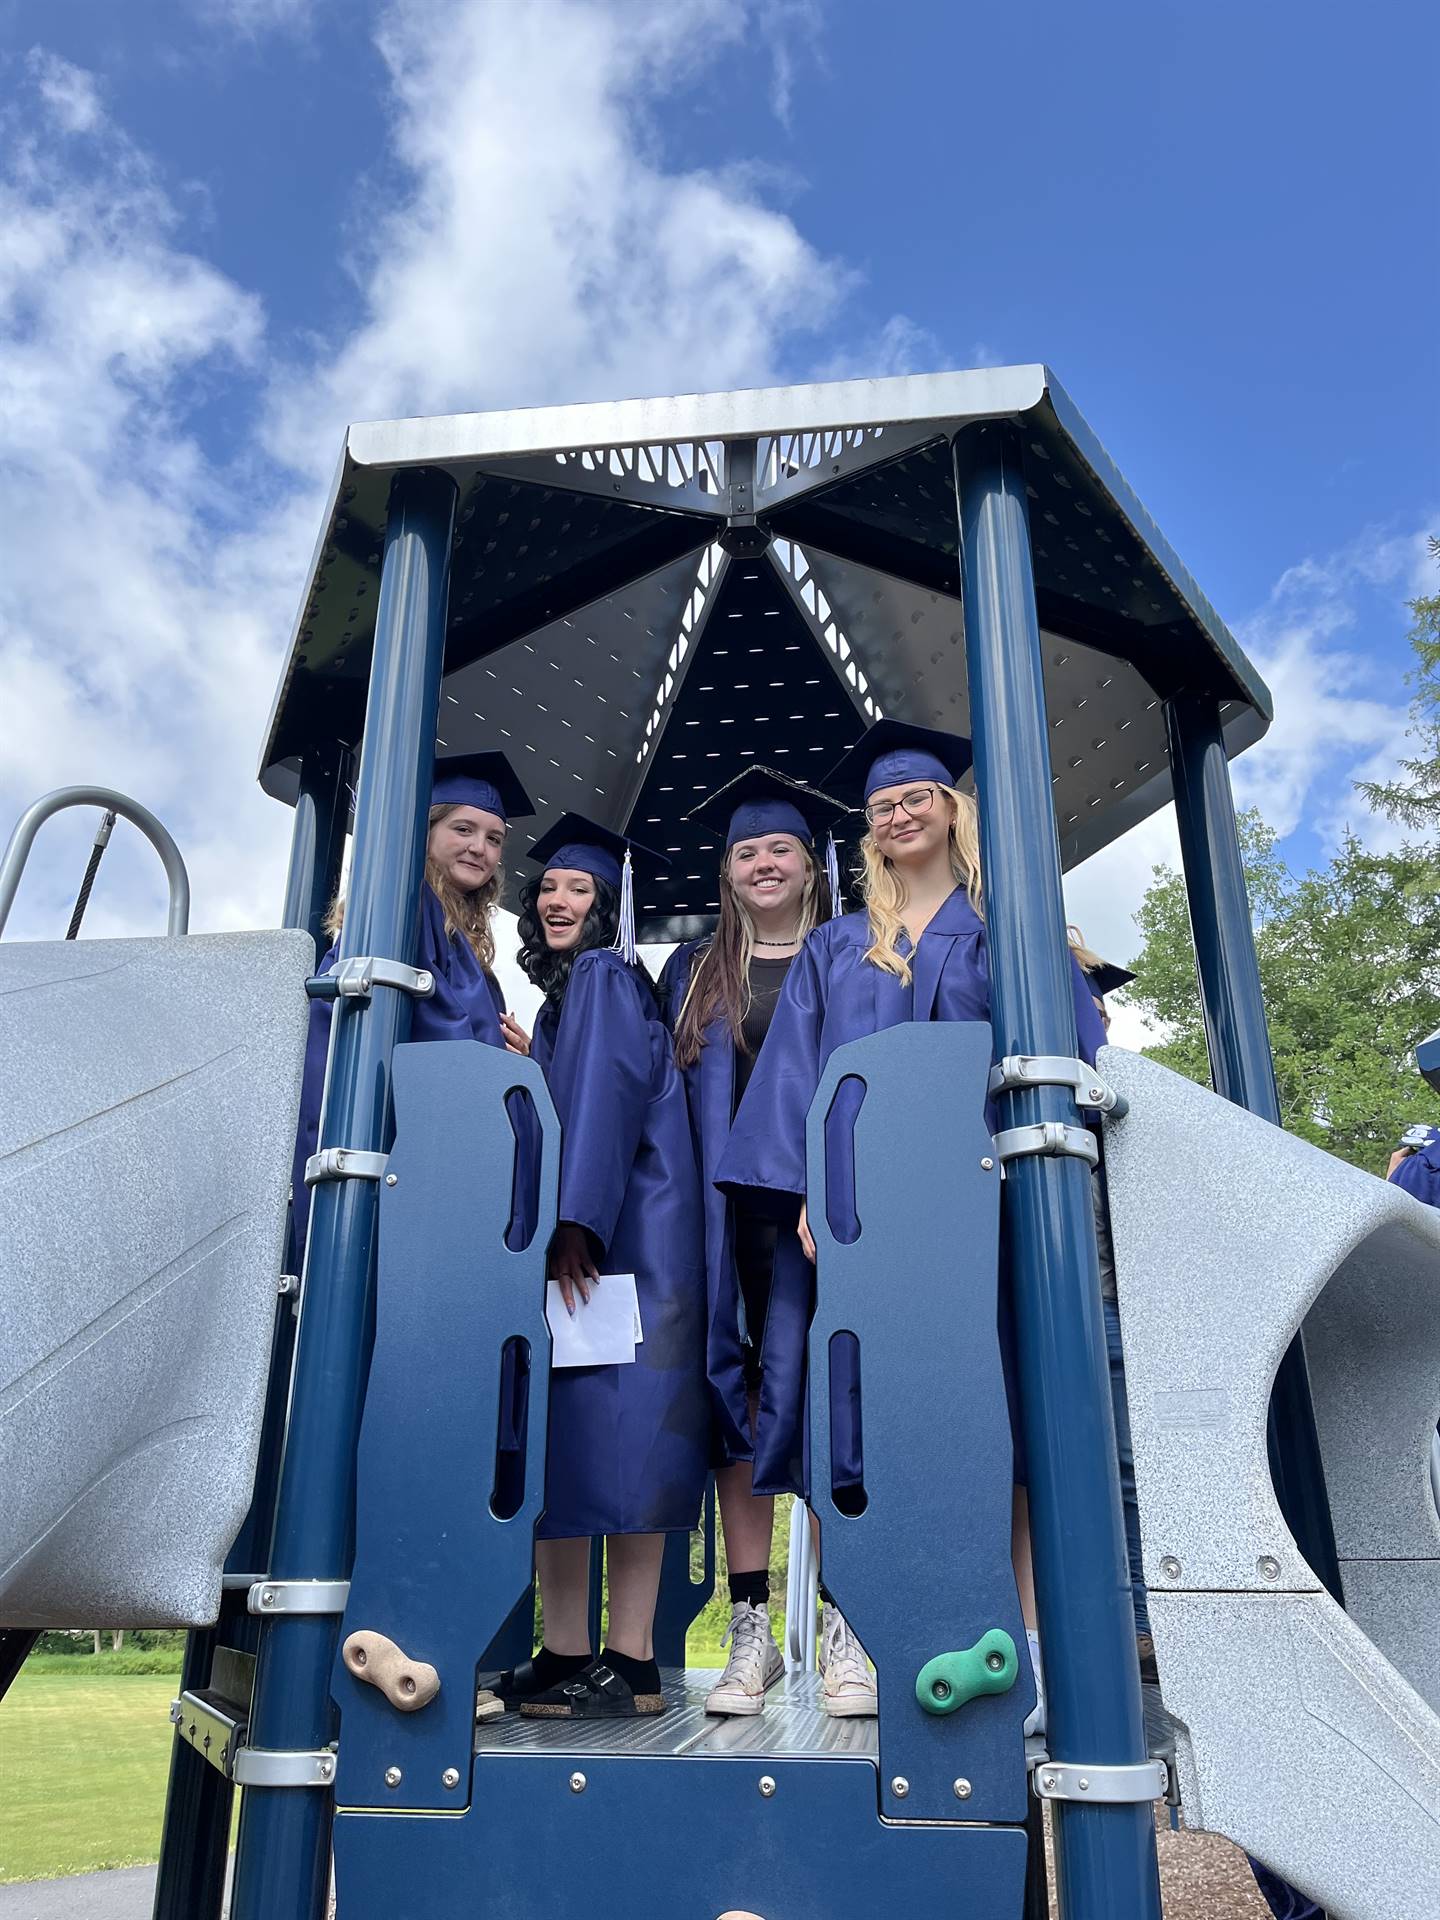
{"x":1243,"y":1069}
{"x":282,"y":1864}
{"x":1104,"y":1855}
{"x":317,"y":843}
{"x":12,"y":864}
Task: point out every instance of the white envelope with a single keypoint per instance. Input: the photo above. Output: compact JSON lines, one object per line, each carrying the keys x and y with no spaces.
{"x":604,"y":1332}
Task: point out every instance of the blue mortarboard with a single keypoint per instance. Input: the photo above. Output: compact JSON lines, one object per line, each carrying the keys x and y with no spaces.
{"x":484,"y":780}
{"x":892,"y":752}
{"x":760,"y":800}
{"x":578,"y":845}
{"x":1107,"y":979}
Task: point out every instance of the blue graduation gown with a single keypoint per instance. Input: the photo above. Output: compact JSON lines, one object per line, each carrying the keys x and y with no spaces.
{"x":466,"y":1005}
{"x":710,"y":1086}
{"x":1419,"y":1173}
{"x":628,"y":1446}
{"x":832,"y":995}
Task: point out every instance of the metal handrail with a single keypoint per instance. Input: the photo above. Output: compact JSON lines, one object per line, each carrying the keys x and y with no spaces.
{"x":34,"y":817}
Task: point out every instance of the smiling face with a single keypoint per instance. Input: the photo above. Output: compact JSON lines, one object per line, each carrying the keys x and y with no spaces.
{"x":914,"y":832}
{"x":564,"y":898}
{"x":768,"y":875}
{"x":467,"y":846}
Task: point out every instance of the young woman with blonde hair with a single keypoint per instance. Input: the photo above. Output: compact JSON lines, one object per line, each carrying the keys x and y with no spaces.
{"x":719,"y":996}
{"x":917,"y":951}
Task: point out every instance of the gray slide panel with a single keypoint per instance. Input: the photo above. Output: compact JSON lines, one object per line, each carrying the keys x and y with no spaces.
{"x":147,"y":1120}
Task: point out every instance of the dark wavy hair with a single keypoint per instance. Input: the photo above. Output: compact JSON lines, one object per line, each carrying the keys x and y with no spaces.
{"x":550,"y":972}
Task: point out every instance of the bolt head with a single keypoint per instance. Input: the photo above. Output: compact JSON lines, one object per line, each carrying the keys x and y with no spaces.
{"x":1170,"y":1567}
{"x":392,"y":1179}
{"x":1084,"y":1784}
{"x":963,"y":1789}
{"x":995,"y":1662}
{"x":578,"y":1783}
{"x":1269,"y":1567}
{"x":393,"y":1776}
{"x":1047,"y":1780}
{"x":767,"y":1786}
{"x":327,"y":1768}
{"x":899,"y":1786}
{"x":987,"y":1165}
{"x":450,"y":1777}
{"x":267,"y":1597}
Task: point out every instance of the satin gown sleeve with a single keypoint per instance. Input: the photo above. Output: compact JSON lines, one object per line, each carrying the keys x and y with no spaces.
{"x":1417,"y":1175}
{"x":764,"y":1158}
{"x":599,"y":1080}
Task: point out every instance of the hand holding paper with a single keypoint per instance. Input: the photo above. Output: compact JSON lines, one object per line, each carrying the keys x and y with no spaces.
{"x":601,"y":1333}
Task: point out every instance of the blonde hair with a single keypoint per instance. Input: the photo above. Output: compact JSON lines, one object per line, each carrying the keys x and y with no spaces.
{"x":883,"y":889}
{"x":1087,"y":956}
{"x":468,"y":914}
{"x":720,"y":980}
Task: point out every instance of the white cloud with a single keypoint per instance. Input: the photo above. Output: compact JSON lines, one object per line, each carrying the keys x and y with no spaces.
{"x":252,"y":18}
{"x":69,"y":93}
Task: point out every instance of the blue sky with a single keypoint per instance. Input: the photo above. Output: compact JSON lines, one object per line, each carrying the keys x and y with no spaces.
{"x":230,"y":225}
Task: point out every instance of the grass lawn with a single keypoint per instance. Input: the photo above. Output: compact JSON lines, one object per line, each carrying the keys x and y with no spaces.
{"x":83,"y":1765}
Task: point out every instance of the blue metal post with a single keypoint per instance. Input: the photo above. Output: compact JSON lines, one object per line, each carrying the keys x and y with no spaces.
{"x":1243,"y":1069}
{"x":283,"y":1858}
{"x":317,"y":840}
{"x":1105,"y":1855}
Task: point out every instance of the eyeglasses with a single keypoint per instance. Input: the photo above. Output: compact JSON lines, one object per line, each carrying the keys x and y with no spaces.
{"x":919,"y":800}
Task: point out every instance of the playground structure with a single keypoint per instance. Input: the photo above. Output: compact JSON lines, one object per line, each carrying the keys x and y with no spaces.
{"x":632,"y":600}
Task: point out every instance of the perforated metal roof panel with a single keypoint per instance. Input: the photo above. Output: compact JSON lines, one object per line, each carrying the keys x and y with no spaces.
{"x":601,"y":633}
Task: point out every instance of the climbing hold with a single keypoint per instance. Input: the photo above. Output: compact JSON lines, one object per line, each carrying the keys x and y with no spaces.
{"x":950,"y":1679}
{"x":406,"y":1684}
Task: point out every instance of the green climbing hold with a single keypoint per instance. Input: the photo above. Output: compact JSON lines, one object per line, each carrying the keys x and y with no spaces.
{"x":950,"y":1679}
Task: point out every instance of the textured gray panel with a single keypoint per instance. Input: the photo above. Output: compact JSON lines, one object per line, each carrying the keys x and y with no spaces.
{"x":1299,"y":1739}
{"x":147,"y":1121}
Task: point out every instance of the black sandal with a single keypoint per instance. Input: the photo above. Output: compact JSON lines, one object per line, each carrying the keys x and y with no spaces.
{"x":598,"y":1693}
{"x":517,"y":1685}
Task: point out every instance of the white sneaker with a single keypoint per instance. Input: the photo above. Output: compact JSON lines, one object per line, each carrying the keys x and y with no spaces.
{"x":1035,"y":1719}
{"x":755,"y":1662}
{"x":848,"y":1684}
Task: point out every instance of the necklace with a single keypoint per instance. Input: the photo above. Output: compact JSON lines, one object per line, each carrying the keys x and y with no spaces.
{"x":791,"y":941}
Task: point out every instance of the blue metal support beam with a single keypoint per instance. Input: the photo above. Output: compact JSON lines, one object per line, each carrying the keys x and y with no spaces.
{"x":1243,"y":1070}
{"x":1105,"y":1855}
{"x":283,"y":1856}
{"x":317,"y":840}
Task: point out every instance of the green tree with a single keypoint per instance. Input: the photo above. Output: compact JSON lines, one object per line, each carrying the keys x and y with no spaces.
{"x":1413,"y":799}
{"x":1350,"y":965}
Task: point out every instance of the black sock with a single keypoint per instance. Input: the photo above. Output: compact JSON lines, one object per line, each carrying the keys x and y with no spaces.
{"x":552,"y":1669}
{"x":752,"y":1588}
{"x":641,"y":1676}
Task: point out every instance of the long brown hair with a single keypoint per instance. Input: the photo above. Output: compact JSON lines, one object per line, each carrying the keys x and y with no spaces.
{"x":468,"y":914}
{"x":720,"y":979}
{"x":883,"y":889}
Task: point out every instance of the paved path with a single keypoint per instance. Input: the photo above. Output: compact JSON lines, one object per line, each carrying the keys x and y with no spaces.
{"x":126,"y":1894}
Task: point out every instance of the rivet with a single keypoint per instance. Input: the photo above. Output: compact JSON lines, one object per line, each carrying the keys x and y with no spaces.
{"x":267,"y":1597}
{"x":767,"y":1786}
{"x":327,"y":1768}
{"x":1269,"y":1567}
{"x":987,"y":1165}
{"x":899,"y":1786}
{"x":393,"y":1776}
{"x":1170,"y":1567}
{"x":963,"y":1789}
{"x":1097,"y":1093}
{"x":1084,"y":1784}
{"x":1047,"y":1780}
{"x":391,"y":1179}
{"x":450,"y":1777}
{"x":577,"y":1783}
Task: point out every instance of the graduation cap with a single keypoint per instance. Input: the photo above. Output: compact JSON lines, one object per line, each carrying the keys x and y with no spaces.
{"x":1417,"y":1136}
{"x":1104,"y":978}
{"x":893,"y":752}
{"x":577,"y":845}
{"x":484,"y":780}
{"x":762,"y":800}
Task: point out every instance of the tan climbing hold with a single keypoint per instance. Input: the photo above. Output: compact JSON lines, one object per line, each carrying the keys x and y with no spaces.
{"x":488,"y":1704}
{"x":406,"y":1684}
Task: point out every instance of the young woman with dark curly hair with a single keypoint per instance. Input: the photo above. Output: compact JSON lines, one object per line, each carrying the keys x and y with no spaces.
{"x":628,"y":1446}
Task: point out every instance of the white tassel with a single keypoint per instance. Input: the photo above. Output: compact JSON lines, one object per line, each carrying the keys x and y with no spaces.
{"x":625,"y":933}
{"x":832,"y":874}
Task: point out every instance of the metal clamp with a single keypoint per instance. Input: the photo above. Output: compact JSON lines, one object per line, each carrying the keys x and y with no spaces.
{"x":288,"y":1285}
{"x":1055,"y":1070}
{"x":298,"y":1596}
{"x":354,"y":978}
{"x":343,"y":1163}
{"x":272,"y":1767}
{"x":1051,"y":1137}
{"x":1109,"y":1786}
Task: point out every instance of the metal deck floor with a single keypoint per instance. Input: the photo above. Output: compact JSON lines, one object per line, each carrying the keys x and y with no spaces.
{"x":793,"y":1723}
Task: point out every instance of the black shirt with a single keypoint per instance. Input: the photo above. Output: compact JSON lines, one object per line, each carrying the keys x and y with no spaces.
{"x":767,"y":977}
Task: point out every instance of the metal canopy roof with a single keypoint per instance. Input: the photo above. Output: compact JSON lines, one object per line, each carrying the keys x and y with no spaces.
{"x":602,"y":635}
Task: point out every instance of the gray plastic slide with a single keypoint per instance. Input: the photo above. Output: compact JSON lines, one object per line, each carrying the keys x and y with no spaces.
{"x":1308,"y":1734}
{"x":147,"y":1120}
